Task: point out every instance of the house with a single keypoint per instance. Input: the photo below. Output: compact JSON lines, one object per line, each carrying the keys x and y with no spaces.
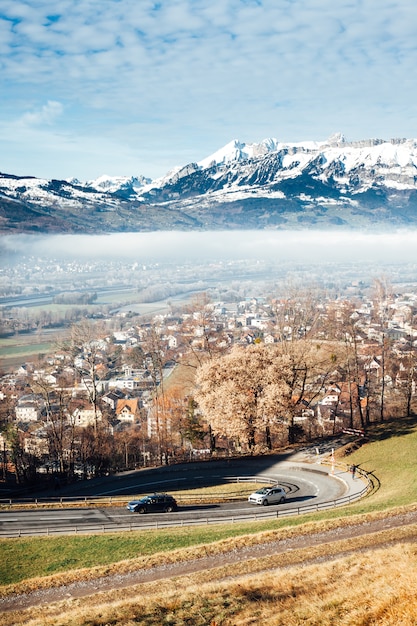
{"x":402,"y":315}
{"x":120,"y":337}
{"x":259,"y":322}
{"x":373,"y":365}
{"x":330,"y":399}
{"x":131,"y":372}
{"x":375,"y":333}
{"x":24,"y":370}
{"x":127,"y":410}
{"x":45,"y":377}
{"x":36,"y":443}
{"x":85,"y":416}
{"x":123,"y":383}
{"x":100,"y":370}
{"x":113,"y":397}
{"x":406,"y":378}
{"x":172,"y":341}
{"x":28,"y":410}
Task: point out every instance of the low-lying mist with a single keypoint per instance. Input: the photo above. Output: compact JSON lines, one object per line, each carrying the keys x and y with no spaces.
{"x":177,"y":246}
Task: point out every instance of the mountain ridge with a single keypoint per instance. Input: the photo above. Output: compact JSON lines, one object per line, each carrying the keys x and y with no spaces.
{"x":368,"y":184}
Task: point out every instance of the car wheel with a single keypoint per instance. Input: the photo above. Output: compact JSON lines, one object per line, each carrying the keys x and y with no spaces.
{"x":282,"y":500}
{"x":168,"y":509}
{"x":141,"y":510}
{"x":265,"y":502}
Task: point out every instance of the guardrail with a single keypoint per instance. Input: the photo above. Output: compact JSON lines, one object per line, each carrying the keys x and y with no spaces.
{"x":77,"y":501}
{"x":171,"y":522}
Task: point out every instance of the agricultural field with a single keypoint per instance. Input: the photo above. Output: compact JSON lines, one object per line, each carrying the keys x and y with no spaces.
{"x":19,"y":349}
{"x":22,"y":347}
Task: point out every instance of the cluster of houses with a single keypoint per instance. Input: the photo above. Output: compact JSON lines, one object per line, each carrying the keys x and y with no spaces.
{"x":125,"y":387}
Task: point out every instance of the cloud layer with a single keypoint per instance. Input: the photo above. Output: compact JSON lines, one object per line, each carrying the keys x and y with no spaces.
{"x":293,"y":246}
{"x":127,"y":87}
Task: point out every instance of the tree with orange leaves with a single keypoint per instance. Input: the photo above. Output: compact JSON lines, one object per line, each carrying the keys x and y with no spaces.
{"x":252,"y":391}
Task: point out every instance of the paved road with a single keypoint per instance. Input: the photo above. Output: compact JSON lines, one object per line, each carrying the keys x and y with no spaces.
{"x":309,"y":485}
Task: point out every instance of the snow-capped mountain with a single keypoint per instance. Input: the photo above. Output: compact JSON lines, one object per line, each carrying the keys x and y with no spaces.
{"x":271,"y":184}
{"x":345,"y":165}
{"x":114,"y":184}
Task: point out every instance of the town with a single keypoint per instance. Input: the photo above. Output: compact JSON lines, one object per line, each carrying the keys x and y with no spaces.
{"x":118,"y":390}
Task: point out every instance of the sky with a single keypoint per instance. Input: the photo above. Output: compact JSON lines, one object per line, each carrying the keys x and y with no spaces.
{"x":138,"y":87}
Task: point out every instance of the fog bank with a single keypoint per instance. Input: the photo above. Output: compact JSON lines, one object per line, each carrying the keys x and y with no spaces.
{"x":303,"y":246}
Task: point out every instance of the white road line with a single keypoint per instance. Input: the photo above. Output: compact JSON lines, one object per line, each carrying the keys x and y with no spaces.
{"x":141,"y":485}
{"x":66,"y":519}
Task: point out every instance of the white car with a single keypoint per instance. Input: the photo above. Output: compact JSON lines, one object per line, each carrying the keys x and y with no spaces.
{"x":268,"y":495}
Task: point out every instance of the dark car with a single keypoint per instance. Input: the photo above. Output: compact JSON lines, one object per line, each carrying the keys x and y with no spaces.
{"x":152,"y":504}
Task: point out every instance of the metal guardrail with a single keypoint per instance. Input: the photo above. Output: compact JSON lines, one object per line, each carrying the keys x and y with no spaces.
{"x":78,"y":501}
{"x":159,"y":525}
{"x":171,"y":523}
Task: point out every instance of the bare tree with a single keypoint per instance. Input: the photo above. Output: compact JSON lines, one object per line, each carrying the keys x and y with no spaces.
{"x":296,"y":315}
{"x":85,"y":348}
{"x":154,"y":360}
{"x":24,"y":463}
{"x":381,"y":298}
{"x":205,"y":340}
{"x":57,"y":403}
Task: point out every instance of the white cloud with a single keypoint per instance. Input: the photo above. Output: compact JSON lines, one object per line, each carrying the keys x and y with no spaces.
{"x":183,"y":77}
{"x":47,"y":114}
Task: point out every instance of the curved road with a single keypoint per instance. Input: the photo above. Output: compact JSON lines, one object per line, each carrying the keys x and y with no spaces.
{"x":307,"y":486}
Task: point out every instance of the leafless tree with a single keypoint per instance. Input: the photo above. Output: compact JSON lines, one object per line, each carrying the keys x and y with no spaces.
{"x":203,"y":339}
{"x":84,"y":346}
{"x":57,"y":403}
{"x":382,"y":297}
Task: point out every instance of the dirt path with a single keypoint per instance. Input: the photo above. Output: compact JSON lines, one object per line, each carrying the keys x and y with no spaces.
{"x":124,"y":580}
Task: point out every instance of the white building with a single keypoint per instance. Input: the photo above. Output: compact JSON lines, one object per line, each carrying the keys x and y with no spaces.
{"x":27,"y":412}
{"x":85,"y":417}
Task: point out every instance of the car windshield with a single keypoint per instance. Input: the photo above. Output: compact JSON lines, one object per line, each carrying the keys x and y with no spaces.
{"x":263,"y":490}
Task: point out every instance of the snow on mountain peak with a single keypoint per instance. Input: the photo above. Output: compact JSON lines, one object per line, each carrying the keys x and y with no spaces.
{"x":115,"y":183}
{"x":237,"y":150}
{"x":335,"y":139}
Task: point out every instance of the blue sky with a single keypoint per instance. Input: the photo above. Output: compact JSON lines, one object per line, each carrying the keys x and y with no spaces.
{"x":129,"y":87}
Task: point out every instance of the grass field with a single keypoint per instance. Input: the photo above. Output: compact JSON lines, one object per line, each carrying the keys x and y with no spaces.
{"x":377,"y":585}
{"x":21,"y":351}
{"x":12,"y":357}
{"x":17,"y":349}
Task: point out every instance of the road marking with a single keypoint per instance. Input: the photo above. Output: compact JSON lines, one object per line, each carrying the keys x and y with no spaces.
{"x":159,"y":482}
{"x":65,"y":519}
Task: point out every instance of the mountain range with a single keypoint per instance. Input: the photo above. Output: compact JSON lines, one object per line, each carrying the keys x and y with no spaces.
{"x":333,"y":184}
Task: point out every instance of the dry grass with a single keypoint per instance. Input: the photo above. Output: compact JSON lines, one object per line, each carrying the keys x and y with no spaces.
{"x":183,"y":376}
{"x":376,"y":585}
